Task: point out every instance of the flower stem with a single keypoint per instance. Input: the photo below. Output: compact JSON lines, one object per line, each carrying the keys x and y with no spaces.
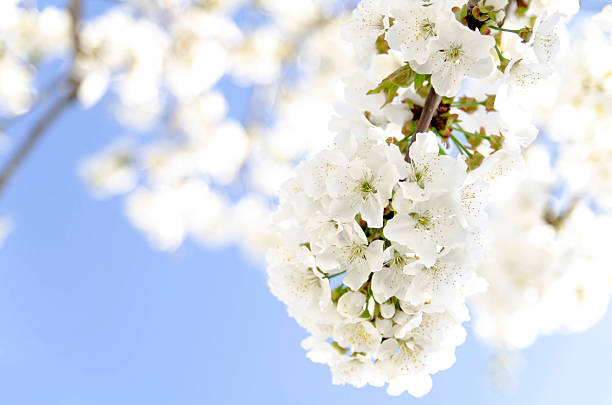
{"x":461,"y":148}
{"x":460,"y":129}
{"x":504,"y":29}
{"x":499,"y":54}
{"x":330,"y":276}
{"x":468,"y":105}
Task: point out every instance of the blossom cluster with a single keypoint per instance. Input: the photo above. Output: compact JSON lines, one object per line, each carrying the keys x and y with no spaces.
{"x":578,"y":110}
{"x":202,"y":46}
{"x":378,"y":257}
{"x":27,"y":37}
{"x":382,"y":231}
{"x":548,"y":266}
{"x":289,"y":59}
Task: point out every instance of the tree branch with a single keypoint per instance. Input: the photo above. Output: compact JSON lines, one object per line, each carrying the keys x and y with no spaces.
{"x":36,"y":133}
{"x":433,"y":99}
{"x":42,"y":96}
{"x":75,"y":15}
{"x":429,"y":109}
{"x":34,"y":137}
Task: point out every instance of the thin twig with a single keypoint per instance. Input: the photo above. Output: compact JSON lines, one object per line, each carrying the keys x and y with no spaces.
{"x":43,"y":95}
{"x":556,"y":220}
{"x":431,"y":105}
{"x":34,"y":137}
{"x":75,"y":14}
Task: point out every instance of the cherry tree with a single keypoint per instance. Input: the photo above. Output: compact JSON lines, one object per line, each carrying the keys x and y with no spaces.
{"x":390,"y":166}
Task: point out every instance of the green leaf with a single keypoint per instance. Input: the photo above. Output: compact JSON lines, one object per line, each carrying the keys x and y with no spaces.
{"x":402,"y":77}
{"x":419,"y":79}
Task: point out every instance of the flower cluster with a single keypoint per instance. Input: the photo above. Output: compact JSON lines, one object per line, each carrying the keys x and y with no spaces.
{"x":548,"y":268}
{"x":382,"y":231}
{"x":378,"y":258}
{"x":199,"y":46}
{"x":286,"y":63}
{"x":27,"y":37}
{"x":577,"y":112}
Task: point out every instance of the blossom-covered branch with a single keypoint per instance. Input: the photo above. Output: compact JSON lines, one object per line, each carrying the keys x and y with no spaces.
{"x":378,"y":255}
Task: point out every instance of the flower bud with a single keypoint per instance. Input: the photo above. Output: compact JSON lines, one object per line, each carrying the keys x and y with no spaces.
{"x":387,"y":310}
{"x":351,"y":304}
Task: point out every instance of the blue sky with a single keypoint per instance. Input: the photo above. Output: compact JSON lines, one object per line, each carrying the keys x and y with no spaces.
{"x":90,"y":314}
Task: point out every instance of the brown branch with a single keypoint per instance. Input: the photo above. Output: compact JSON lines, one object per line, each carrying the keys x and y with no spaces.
{"x":42,"y":96}
{"x":433,"y":99}
{"x":431,"y":105}
{"x":556,"y":220}
{"x":75,"y":15}
{"x":37,"y":132}
{"x":34,"y":137}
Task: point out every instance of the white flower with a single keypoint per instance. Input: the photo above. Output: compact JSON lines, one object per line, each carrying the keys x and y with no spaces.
{"x":169,"y":213}
{"x":414,"y":29}
{"x":425,"y":227}
{"x":355,"y":371}
{"x":440,"y":284}
{"x":294,"y":279}
{"x":16,"y":92}
{"x":458,"y":52}
{"x":369,"y":20}
{"x":545,"y":40}
{"x":352,"y":304}
{"x":439,"y":330}
{"x":364,"y":186}
{"x":517,"y":95}
{"x":360,"y":337}
{"x":393,"y":279}
{"x":259,"y":58}
{"x":473,"y":196}
{"x":430,"y":173}
{"x":111,"y":172}
{"x":356,"y":257}
{"x":387,"y":310}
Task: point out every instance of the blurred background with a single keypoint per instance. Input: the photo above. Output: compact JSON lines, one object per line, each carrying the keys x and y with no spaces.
{"x":90,"y":313}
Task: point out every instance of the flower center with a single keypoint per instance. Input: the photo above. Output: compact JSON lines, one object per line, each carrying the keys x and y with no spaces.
{"x":428,"y":28}
{"x":423,"y":221}
{"x":366,"y":187}
{"x":420,"y":176}
{"x":398,"y":260}
{"x":355,"y":253}
{"x":453,"y":53}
